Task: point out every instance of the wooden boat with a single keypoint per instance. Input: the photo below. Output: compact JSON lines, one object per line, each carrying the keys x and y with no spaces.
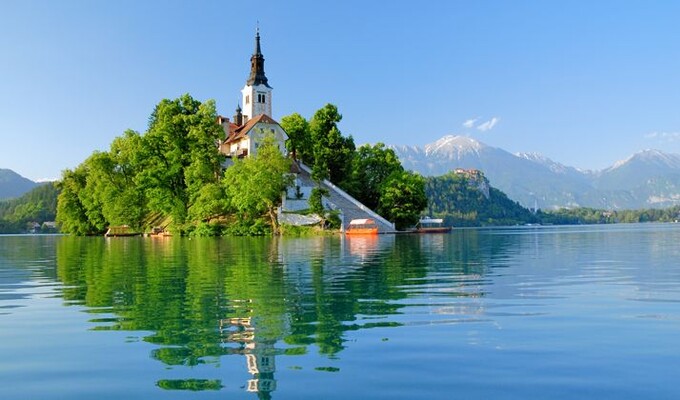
{"x":158,"y":231}
{"x":364,"y":226}
{"x":432,"y":225}
{"x":119,"y":231}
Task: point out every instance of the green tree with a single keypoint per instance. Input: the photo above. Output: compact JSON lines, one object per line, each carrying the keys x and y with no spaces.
{"x":211,"y":202}
{"x":180,"y":155}
{"x":170,"y":171}
{"x":371,"y":167}
{"x":254,"y":185}
{"x":299,"y":139}
{"x":71,"y":212}
{"x":333,"y":153}
{"x":402,"y":198}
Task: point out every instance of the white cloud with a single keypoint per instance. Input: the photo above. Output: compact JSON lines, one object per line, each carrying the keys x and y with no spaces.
{"x":469,"y":123}
{"x":488,"y":125}
{"x":663,"y":136}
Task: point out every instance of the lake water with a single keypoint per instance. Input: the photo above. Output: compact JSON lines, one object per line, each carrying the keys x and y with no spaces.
{"x":521,"y":313}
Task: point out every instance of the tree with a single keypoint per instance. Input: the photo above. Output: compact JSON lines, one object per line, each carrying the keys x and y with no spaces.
{"x":402,"y":198}
{"x":254,"y":185}
{"x":299,"y":140}
{"x":371,"y":167}
{"x":180,"y":155}
{"x":171,"y":170}
{"x":71,"y":213}
{"x":333,"y":152}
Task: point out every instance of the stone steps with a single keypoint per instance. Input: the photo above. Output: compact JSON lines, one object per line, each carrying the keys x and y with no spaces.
{"x":350,"y":209}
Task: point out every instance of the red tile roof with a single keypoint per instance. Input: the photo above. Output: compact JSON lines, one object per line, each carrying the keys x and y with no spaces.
{"x":242,"y":131}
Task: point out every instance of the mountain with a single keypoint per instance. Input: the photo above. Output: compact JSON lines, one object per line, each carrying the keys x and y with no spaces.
{"x":647,"y":179}
{"x":14,"y":185}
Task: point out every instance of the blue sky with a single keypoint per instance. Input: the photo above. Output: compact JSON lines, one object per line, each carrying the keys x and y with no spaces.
{"x":585,"y":83}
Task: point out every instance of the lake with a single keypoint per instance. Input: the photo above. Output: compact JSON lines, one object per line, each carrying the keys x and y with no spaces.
{"x":586,"y":312}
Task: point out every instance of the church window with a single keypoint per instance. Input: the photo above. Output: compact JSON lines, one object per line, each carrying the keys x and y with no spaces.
{"x":260,"y":97}
{"x":247,"y":99}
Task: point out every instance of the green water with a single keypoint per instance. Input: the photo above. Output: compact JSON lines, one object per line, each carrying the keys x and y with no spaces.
{"x":554,"y":312}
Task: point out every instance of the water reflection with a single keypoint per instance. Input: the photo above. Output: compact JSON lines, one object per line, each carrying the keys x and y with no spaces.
{"x":262,"y":298}
{"x":269,"y":316}
{"x":208,"y":301}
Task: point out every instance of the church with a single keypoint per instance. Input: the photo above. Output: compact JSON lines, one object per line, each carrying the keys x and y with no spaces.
{"x":245,"y":132}
{"x":250,"y":124}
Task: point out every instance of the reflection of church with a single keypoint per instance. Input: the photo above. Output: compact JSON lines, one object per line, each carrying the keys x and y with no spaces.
{"x":260,"y":355}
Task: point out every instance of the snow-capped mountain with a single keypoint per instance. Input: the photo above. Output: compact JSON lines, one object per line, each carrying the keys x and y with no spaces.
{"x":650,"y":178}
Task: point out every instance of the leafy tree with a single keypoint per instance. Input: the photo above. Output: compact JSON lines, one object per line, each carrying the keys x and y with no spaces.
{"x":402,"y":198}
{"x":254,"y":185}
{"x":180,"y":155}
{"x":210,"y":203}
{"x":172,"y":171}
{"x":299,"y":138}
{"x":316,"y":201}
{"x":71,"y":212}
{"x":371,"y":167}
{"x":333,"y":152}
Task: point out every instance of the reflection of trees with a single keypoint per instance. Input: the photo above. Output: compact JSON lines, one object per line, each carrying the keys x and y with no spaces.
{"x":207,"y":298}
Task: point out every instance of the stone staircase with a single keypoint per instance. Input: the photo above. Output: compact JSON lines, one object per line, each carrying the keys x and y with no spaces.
{"x":348,"y":206}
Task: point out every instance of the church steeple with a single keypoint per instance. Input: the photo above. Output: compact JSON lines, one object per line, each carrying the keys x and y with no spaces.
{"x":257,"y":94}
{"x":257,"y":76}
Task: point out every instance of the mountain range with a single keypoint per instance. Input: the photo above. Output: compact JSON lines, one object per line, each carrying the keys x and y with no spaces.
{"x":14,"y":185}
{"x":648,"y":179}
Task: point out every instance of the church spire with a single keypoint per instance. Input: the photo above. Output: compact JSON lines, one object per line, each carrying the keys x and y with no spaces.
{"x":257,"y":76}
{"x":257,"y":94}
{"x":258,"y":52}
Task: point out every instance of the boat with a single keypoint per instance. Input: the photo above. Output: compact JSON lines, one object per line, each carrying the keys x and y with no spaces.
{"x":363,"y":226}
{"x":432,"y":225}
{"x":119,"y":231}
{"x":158,"y":231}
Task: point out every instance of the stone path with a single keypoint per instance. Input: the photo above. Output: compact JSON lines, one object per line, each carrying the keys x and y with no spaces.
{"x":349,"y":207}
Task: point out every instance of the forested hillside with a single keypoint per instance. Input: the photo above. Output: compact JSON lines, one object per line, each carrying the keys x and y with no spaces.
{"x":467,"y":199}
{"x":37,"y":206}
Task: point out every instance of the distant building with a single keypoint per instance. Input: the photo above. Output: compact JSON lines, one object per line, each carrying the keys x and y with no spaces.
{"x":476,"y":179}
{"x":249,"y":125}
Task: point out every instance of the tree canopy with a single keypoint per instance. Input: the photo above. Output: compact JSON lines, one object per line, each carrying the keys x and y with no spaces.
{"x":371,"y":167}
{"x":402,"y":198}
{"x":173,"y":173}
{"x":332,"y":152}
{"x":299,"y":138}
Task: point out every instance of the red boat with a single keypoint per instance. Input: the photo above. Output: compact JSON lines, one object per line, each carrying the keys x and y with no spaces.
{"x":365,"y":226}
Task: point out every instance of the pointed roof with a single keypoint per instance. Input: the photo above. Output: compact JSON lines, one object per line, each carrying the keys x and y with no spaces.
{"x":242,"y":131}
{"x":257,"y":76}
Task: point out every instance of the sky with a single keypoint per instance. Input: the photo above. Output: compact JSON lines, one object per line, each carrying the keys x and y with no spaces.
{"x":585,"y":83}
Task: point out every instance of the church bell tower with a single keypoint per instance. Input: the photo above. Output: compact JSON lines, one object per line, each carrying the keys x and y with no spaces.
{"x":257,"y":94}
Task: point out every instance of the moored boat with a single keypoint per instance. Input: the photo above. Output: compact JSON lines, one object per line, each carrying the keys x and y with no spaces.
{"x":119,"y":231}
{"x":363,"y":226}
{"x":432,"y":225}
